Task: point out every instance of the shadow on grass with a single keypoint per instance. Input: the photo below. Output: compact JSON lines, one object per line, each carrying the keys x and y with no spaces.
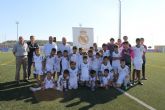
{"x":11,"y":91}
{"x":100,"y":96}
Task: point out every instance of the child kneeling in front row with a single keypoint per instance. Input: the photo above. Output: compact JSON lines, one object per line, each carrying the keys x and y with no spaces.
{"x":63,"y":81}
{"x":107,"y":79}
{"x":123,"y":75}
{"x":48,"y":83}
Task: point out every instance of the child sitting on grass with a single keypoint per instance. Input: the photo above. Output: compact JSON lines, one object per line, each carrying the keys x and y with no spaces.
{"x":48,"y":83}
{"x":63,"y":81}
{"x":107,"y":79}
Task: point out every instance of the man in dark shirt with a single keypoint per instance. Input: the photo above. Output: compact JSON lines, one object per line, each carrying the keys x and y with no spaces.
{"x":32,"y":46}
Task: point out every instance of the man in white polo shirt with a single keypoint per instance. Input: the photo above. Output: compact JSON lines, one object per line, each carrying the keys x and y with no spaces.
{"x":48,"y":47}
{"x":64,"y":46}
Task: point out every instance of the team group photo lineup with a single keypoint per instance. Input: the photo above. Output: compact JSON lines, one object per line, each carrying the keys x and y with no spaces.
{"x":82,"y":55}
{"x":63,"y":67}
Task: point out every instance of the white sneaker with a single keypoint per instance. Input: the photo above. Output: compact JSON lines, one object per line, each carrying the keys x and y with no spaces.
{"x":35,"y":89}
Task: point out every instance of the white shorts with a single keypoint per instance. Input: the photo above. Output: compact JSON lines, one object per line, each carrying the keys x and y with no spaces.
{"x":137,"y":64}
{"x":73,"y":83}
{"x":84,"y":78}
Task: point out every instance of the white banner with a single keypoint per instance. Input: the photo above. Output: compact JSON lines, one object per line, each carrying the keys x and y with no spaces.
{"x":83,"y":37}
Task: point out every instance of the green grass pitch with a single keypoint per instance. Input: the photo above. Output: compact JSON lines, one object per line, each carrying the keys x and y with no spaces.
{"x":14,"y":97}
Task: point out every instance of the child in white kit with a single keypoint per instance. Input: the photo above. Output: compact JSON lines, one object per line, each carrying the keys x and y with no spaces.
{"x":48,"y":83}
{"x":58,"y":59}
{"x":123,"y":75}
{"x":80,"y":55}
{"x":107,"y":79}
{"x":73,"y":76}
{"x":63,"y":81}
{"x":50,"y":62}
{"x":92,"y":80}
{"x":138,"y":61}
{"x":105,"y":50}
{"x":90,"y":58}
{"x":64,"y":61}
{"x":75,"y":56}
{"x":84,"y":71}
{"x":38,"y":65}
{"x":116,"y":58}
{"x":96,"y":64}
{"x":105,"y":65}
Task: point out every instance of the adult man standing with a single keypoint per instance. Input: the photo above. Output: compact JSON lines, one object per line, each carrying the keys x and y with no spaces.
{"x":48,"y":47}
{"x":64,"y":46}
{"x":32,"y":44}
{"x":20,"y":51}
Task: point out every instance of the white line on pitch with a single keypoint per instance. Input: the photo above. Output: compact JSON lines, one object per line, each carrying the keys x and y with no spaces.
{"x":136,"y":99}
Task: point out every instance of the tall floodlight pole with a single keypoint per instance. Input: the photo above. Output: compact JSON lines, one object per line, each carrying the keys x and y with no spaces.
{"x":17,"y":23}
{"x":119,"y":19}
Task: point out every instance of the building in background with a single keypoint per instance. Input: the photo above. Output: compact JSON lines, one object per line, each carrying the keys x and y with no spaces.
{"x":159,"y":48}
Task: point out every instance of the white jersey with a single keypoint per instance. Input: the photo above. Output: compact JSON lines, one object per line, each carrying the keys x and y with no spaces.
{"x":57,"y":63}
{"x":64,"y":63}
{"x":73,"y":78}
{"x":80,"y":57}
{"x":50,"y":63}
{"x":90,"y":60}
{"x":106,"y":53}
{"x":138,"y":54}
{"x":92,"y":78}
{"x":115,"y":63}
{"x":73,"y":73}
{"x":49,"y":83}
{"x":92,"y":81}
{"x":48,"y":48}
{"x":84,"y":72}
{"x":62,"y":83}
{"x":75,"y":58}
{"x":108,"y":66}
{"x":96,"y":64}
{"x":105,"y":80}
{"x":123,"y":72}
{"x":38,"y":64}
{"x":62,"y":47}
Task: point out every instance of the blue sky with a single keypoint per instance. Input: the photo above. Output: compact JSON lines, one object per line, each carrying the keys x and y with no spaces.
{"x":42,"y":18}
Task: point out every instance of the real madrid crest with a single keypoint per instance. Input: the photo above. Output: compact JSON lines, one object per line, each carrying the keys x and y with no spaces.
{"x":83,"y":38}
